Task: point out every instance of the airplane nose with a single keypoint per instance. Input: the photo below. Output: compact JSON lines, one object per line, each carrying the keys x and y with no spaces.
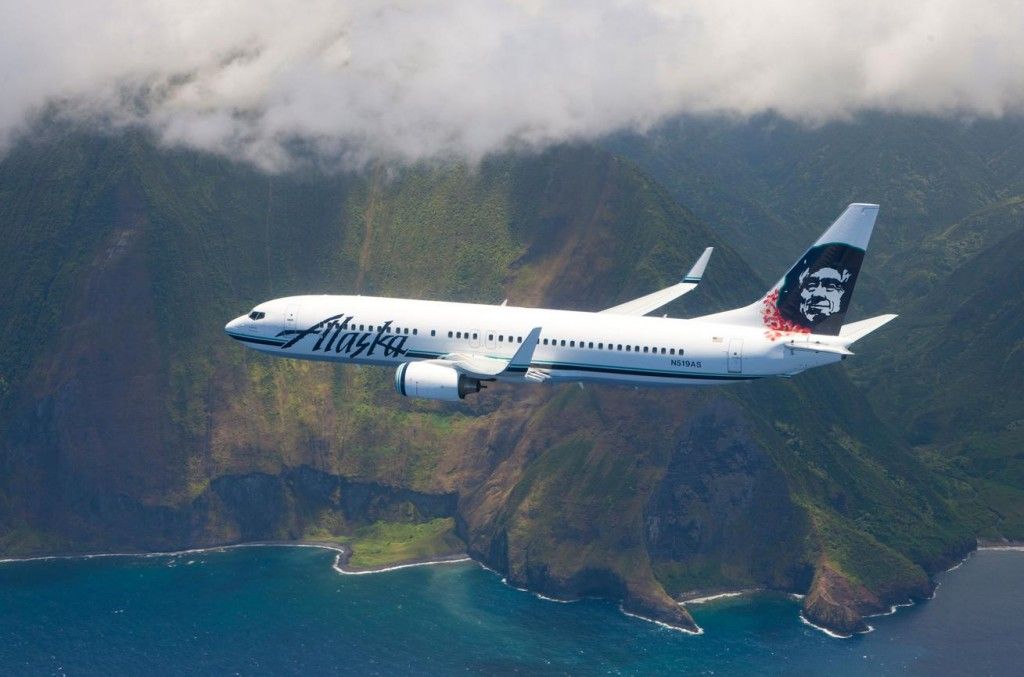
{"x":234,"y":324}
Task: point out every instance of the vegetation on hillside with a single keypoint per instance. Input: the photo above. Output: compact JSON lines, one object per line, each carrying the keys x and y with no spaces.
{"x":129,"y":420}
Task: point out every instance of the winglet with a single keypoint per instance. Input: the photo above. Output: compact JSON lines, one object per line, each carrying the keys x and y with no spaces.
{"x":697,"y":271}
{"x":524,"y":355}
{"x":655,"y":300}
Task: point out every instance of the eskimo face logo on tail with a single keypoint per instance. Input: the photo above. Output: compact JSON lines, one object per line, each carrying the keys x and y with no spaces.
{"x":816,"y":293}
{"x":337,"y":334}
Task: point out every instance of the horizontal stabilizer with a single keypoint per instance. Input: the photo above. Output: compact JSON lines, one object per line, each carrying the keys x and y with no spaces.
{"x":857,"y":330}
{"x":651,"y":302}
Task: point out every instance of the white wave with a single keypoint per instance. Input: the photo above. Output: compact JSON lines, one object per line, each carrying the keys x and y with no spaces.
{"x":830,"y":633}
{"x":960,"y":563}
{"x":337,"y":566}
{"x":892,"y":609}
{"x":698,"y":631}
{"x":487,"y":568}
{"x":553,"y":599}
{"x":711,"y":598}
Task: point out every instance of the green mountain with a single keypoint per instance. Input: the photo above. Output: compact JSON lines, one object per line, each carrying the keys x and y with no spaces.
{"x":945,"y":255}
{"x":129,"y":421}
{"x":959,"y":402}
{"x":771,"y":186}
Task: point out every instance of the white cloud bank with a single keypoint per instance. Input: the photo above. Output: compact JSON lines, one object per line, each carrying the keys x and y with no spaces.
{"x":422,"y":79}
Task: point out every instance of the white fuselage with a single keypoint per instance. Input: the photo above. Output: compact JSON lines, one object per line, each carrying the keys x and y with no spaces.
{"x":573,"y":346}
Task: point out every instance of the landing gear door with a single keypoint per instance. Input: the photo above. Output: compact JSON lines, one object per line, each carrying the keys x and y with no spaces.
{"x":735,"y":356}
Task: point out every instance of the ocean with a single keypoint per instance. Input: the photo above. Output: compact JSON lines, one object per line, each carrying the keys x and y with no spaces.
{"x":284,"y":610}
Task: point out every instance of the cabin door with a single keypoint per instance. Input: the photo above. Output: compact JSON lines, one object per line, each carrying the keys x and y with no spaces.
{"x":735,"y":356}
{"x":290,"y":321}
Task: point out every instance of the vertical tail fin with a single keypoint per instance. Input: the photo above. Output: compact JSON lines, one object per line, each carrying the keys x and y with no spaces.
{"x":814,"y":295}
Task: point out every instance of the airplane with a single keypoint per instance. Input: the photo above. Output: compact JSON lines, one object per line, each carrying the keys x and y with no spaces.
{"x":446,"y":351}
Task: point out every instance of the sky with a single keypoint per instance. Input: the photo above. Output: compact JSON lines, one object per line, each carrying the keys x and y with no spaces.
{"x":357,"y":82}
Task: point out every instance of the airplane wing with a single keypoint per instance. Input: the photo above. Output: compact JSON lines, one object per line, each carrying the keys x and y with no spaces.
{"x":651,"y":302}
{"x":484,"y":367}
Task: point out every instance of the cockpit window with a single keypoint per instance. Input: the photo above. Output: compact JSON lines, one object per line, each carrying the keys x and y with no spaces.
{"x":254,"y":315}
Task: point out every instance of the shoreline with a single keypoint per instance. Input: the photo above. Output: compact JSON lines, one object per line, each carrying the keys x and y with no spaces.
{"x":343,"y":552}
{"x":323,"y":545}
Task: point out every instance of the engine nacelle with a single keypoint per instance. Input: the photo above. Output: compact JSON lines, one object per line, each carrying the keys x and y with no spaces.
{"x":434,"y":382}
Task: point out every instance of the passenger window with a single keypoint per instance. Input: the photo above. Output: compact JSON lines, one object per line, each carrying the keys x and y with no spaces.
{"x":433,"y":332}
{"x":572,"y":344}
{"x":600,"y":346}
{"x":474,"y":336}
{"x":545,"y":341}
{"x":590,"y":344}
{"x":671,"y":351}
{"x":620,"y":346}
{"x":563,"y":343}
{"x":645,"y":349}
{"x":449,"y":334}
{"x":628,"y":350}
{"x":415,"y":331}
{"x":501,"y":337}
{"x":680,"y":351}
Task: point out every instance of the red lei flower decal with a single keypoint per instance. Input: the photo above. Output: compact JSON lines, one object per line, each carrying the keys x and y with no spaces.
{"x":778,"y":325}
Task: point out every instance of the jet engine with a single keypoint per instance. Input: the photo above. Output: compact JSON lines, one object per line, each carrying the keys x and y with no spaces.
{"x":434,"y":382}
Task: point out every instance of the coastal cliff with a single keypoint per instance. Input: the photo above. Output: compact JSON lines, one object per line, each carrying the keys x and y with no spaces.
{"x":130,"y":422}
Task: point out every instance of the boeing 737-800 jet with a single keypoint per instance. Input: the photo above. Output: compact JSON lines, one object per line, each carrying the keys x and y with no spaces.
{"x":446,"y":351}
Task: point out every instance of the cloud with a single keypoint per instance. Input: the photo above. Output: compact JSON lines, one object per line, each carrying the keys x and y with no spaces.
{"x":415,"y":80}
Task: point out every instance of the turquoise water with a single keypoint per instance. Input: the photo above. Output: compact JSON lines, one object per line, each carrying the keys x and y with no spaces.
{"x":284,"y":610}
